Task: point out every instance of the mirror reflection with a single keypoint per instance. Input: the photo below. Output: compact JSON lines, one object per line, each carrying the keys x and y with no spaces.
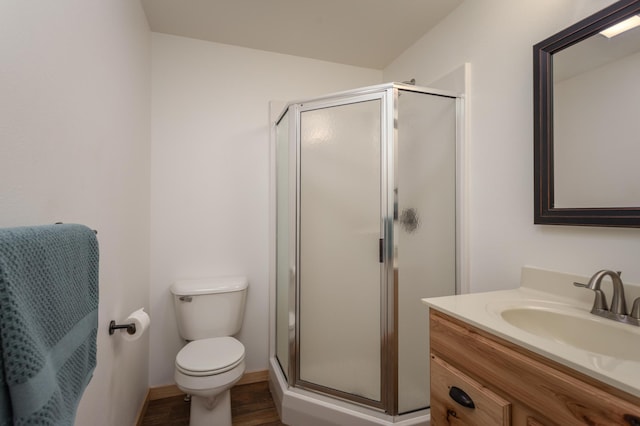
{"x":596,"y":124}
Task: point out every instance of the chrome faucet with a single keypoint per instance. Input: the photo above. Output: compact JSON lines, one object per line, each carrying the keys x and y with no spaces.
{"x":618,"y":309}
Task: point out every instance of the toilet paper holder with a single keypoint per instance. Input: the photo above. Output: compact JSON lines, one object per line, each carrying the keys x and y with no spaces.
{"x":131,"y":328}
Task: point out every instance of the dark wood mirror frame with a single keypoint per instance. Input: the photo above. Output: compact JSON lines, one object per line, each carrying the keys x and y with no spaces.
{"x":545,"y":212}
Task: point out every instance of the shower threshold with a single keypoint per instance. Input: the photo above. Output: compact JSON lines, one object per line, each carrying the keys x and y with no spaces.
{"x":298,"y":407}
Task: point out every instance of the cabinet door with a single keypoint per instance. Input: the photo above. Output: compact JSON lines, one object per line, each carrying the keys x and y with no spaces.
{"x":448,"y":384}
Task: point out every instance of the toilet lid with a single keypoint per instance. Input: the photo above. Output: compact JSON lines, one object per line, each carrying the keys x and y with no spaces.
{"x":207,"y":357}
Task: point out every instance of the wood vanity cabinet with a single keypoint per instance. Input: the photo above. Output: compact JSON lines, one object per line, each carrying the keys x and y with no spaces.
{"x":510,"y":385}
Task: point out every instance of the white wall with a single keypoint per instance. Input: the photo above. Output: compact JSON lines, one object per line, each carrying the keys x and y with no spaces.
{"x":210,"y":173}
{"x":496,"y":37}
{"x":74,"y":147}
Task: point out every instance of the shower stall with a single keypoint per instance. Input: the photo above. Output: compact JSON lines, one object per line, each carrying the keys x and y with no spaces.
{"x":365,"y":206}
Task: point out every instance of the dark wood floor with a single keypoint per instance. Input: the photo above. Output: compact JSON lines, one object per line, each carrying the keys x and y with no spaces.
{"x":251,"y":405}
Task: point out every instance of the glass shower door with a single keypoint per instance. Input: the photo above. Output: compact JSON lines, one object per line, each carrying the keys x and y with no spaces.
{"x":424,"y":230}
{"x":339,"y":233}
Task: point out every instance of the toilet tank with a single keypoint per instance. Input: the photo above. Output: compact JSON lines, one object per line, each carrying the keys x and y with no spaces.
{"x":212,"y":307}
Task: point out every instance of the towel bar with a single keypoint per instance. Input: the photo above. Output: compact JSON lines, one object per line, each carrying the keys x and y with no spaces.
{"x":62,"y":223}
{"x":131,"y":328}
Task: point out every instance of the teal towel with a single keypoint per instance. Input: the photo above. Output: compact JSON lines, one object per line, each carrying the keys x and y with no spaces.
{"x":48,"y":322}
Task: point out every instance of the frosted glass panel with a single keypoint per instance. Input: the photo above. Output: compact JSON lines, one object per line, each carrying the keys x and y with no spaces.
{"x":339,"y":271}
{"x":282,"y":245}
{"x":424,"y":231}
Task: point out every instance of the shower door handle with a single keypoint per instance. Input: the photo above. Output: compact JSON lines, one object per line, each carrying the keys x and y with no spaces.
{"x":381,"y":250}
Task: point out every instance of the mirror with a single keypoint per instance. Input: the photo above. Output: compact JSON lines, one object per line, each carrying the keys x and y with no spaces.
{"x":586,"y":123}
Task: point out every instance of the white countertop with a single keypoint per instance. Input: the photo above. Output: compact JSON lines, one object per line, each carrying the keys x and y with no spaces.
{"x":556,"y":290}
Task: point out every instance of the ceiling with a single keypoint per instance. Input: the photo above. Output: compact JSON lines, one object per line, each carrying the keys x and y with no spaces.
{"x":365,"y":33}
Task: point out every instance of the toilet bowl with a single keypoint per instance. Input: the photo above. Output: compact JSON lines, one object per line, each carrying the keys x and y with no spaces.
{"x":208,"y":313}
{"x":207,"y":369}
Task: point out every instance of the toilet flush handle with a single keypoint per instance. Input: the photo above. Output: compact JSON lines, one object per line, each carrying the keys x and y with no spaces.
{"x":185,"y":298}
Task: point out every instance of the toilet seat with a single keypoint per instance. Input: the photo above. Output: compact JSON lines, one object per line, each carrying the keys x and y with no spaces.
{"x":208,"y":357}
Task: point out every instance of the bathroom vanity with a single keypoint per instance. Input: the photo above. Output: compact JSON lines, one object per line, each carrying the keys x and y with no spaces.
{"x":532,"y":356}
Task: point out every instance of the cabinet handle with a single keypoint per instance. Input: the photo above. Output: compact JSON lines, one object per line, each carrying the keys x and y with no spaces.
{"x":632,"y":420}
{"x":461,"y":397}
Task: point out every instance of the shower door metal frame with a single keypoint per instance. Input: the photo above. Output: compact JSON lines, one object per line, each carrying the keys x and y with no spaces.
{"x":291,"y":190}
{"x":390,"y":328}
{"x":388,"y":95}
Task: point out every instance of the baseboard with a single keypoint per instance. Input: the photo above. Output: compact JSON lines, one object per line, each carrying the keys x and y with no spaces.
{"x":143,"y":410}
{"x":169,"y":391}
{"x":162,"y":392}
{"x":254,"y":377}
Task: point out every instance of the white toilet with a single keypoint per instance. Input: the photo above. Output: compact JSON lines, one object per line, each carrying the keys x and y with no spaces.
{"x":209,"y":312}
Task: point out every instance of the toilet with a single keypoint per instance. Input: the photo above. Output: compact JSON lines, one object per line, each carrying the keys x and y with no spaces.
{"x":208,"y":313}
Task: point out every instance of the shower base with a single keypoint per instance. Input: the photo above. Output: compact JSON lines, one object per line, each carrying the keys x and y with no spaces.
{"x":298,"y":407}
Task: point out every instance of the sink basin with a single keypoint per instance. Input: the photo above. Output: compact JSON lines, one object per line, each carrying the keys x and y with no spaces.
{"x":578,"y":329}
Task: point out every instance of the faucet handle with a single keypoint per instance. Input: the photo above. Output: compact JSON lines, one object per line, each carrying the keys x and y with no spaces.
{"x":635,"y":310}
{"x":600,"y":301}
